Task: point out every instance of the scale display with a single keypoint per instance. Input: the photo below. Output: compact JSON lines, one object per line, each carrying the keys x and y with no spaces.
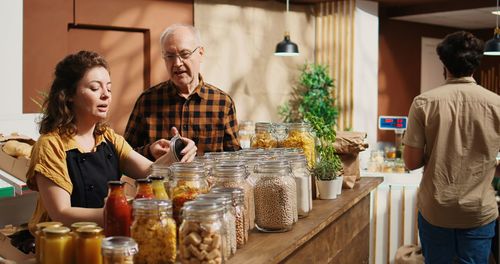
{"x":392,"y":122}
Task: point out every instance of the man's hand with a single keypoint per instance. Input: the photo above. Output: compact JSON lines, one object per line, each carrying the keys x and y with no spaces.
{"x":159,"y":148}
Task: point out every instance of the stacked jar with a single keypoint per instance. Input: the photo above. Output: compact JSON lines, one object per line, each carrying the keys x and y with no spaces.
{"x":154,"y":230}
{"x":302,"y":177}
{"x":188,"y":181}
{"x":240,"y":213}
{"x":200,"y":234}
{"x":300,"y":136}
{"x":235,"y":175}
{"x":263,"y":137}
{"x":118,"y":250}
{"x":275,"y":196}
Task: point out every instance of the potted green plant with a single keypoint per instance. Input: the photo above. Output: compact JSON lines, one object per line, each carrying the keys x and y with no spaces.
{"x":312,"y":101}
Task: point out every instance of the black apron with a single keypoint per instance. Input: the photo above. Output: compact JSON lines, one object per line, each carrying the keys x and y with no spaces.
{"x":90,"y":173}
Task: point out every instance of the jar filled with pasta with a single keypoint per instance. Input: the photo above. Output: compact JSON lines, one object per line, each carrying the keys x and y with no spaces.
{"x":300,"y":136}
{"x":118,"y":250}
{"x":201,"y":234}
{"x":263,"y":137}
{"x":154,"y":230}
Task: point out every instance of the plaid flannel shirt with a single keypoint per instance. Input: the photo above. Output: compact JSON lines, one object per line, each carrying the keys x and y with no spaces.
{"x":207,"y":116}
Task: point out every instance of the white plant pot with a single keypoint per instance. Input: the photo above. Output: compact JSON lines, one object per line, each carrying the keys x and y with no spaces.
{"x":327,"y":189}
{"x":340,"y":179}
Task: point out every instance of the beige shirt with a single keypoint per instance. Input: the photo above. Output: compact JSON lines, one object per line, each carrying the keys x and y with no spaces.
{"x":458,"y":125}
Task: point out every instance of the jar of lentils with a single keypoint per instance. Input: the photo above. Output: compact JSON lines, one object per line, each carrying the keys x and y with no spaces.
{"x":263,"y":137}
{"x":275,"y":196}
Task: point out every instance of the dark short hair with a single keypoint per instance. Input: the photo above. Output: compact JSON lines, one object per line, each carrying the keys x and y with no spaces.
{"x":461,"y":53}
{"x":58,"y":114}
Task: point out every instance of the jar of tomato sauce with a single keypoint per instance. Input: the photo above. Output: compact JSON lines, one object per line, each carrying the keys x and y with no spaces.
{"x":117,"y":211}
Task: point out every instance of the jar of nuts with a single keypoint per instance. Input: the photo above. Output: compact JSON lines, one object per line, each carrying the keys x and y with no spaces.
{"x":275,"y":196}
{"x":188,"y":180}
{"x":118,"y":250}
{"x":240,"y":213}
{"x":263,"y":137}
{"x":201,"y":233}
{"x":300,"y":136}
{"x":154,"y":230}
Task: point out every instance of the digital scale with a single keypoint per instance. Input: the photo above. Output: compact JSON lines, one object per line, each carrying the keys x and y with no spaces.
{"x":398,"y":124}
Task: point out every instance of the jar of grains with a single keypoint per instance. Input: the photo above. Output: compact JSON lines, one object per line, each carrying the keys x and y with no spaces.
{"x":229,"y":219}
{"x":154,"y":230}
{"x":303,"y":181}
{"x":188,"y":180}
{"x":275,"y":196}
{"x":263,"y":137}
{"x":200,"y":234}
{"x":240,"y":213}
{"x":118,"y":250}
{"x":88,"y":245}
{"x":235,"y":175}
{"x":300,"y":136}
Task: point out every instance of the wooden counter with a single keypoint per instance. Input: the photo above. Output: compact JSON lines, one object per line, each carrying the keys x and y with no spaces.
{"x":336,"y":231}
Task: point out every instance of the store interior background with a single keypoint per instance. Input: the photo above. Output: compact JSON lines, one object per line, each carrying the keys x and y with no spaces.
{"x":384,"y":55}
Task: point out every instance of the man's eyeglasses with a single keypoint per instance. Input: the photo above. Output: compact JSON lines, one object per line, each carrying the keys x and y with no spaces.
{"x":184,"y":55}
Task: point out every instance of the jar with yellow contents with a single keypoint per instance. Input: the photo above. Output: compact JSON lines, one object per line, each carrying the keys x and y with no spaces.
{"x":154,"y":230}
{"x":263,"y":137}
{"x":300,"y":136}
{"x":88,"y":245}
{"x":57,"y":245}
{"x":39,"y":237}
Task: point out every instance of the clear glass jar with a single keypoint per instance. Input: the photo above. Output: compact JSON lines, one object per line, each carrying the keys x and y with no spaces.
{"x":302,"y":177}
{"x":235,"y":176}
{"x":39,"y":238}
{"x":201,"y":234}
{"x":118,"y":250}
{"x":229,"y":220}
{"x":117,"y":211}
{"x":240,"y":213}
{"x":154,"y":230}
{"x":245,"y":133}
{"x":275,"y":197}
{"x":209,"y":164}
{"x":188,"y":180}
{"x":160,"y":173}
{"x":300,"y":136}
{"x":58,"y":245}
{"x":263,"y":137}
{"x":280,"y":132}
{"x":88,"y":245}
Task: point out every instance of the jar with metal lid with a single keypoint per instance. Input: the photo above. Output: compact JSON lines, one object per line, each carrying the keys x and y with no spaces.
{"x":154,"y":230}
{"x":187,"y":181}
{"x":302,"y":177}
{"x":88,"y":244}
{"x":39,"y":238}
{"x":263,"y":137}
{"x":209,"y":163}
{"x":300,"y":136}
{"x":144,"y":188}
{"x":228,"y":218}
{"x":280,"y":132}
{"x":275,"y":196}
{"x":201,"y":234}
{"x":58,"y":246}
{"x":118,"y":250}
{"x":235,"y":175}
{"x":160,"y":173}
{"x":240,"y":213}
{"x":117,"y":211}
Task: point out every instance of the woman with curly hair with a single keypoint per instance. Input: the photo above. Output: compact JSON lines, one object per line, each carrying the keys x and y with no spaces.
{"x":77,"y":154}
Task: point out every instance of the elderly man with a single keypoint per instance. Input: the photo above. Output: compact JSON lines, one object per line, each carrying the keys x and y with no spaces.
{"x":199,"y":111}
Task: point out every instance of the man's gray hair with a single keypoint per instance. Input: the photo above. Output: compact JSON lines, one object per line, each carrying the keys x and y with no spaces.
{"x":170,"y":29}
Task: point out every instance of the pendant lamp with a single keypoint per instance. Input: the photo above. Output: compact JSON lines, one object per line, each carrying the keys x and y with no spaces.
{"x":286,"y":47}
{"x":492,"y":46}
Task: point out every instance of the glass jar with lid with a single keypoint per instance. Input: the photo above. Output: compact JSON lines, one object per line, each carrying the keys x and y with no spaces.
{"x":118,"y":250}
{"x":39,"y":237}
{"x":144,"y":188}
{"x":117,"y":211}
{"x":302,"y":177}
{"x":160,"y":173}
{"x":228,"y":218}
{"x":300,"y":136}
{"x":188,"y":180}
{"x":158,"y":184}
{"x":209,"y":163}
{"x":245,"y":133}
{"x":201,"y":234}
{"x":154,"y":230}
{"x":88,"y":244}
{"x":263,"y":137}
{"x":275,"y":196}
{"x":58,"y":246}
{"x":235,"y":175}
{"x":280,"y":131}
{"x":240,"y":213}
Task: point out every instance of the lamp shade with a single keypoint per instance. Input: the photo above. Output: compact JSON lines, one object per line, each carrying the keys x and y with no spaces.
{"x":286,"y":47}
{"x":492,"y":46}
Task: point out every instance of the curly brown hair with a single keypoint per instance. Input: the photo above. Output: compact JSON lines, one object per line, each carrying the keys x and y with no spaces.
{"x":58,"y":115}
